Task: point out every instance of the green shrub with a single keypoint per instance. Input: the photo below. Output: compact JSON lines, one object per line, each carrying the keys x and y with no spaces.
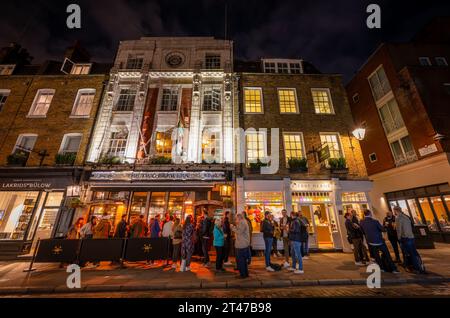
{"x":161,"y":160}
{"x":337,"y":163}
{"x":65,"y":158}
{"x":298,"y":163}
{"x":110,"y":160}
{"x":17,"y":158}
{"x":257,"y":165}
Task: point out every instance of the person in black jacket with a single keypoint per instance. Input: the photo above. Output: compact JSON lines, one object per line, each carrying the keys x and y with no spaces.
{"x":389,"y":225}
{"x":356,"y":237}
{"x":205,"y":233}
{"x":226,"y":227}
{"x":295,"y":238}
{"x":121,"y":229}
{"x":268,"y":230}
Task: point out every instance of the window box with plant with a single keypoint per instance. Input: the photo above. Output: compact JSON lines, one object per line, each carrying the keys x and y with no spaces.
{"x":338,"y":165}
{"x":255,"y":167}
{"x":18,"y":158}
{"x":298,"y":164}
{"x":65,"y":159}
{"x":110,"y":160}
{"x":161,"y":160}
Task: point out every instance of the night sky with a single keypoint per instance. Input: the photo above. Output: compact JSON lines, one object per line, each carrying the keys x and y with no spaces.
{"x":330,"y":34}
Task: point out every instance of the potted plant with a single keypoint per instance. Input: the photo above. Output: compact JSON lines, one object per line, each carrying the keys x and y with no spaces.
{"x":18,"y":158}
{"x":298,"y":164}
{"x":255,"y":167}
{"x":75,"y":203}
{"x":338,"y":165}
{"x":161,"y":160}
{"x":110,"y":160}
{"x":65,"y":159}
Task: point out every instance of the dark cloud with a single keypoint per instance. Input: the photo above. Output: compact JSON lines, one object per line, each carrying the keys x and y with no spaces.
{"x":330,"y":34}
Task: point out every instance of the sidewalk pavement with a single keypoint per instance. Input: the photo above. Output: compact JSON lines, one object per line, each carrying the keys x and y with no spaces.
{"x":320,"y":269}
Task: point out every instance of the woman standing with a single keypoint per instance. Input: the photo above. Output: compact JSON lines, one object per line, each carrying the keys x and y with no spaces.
{"x":187,"y":244}
{"x":177,"y":235}
{"x":74,"y":230}
{"x":219,"y":242}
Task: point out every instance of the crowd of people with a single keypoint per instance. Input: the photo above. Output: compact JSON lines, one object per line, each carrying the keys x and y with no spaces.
{"x":399,"y":231}
{"x":198,"y":236}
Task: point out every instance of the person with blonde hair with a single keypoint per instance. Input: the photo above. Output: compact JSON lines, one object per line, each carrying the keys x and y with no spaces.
{"x":219,"y":242}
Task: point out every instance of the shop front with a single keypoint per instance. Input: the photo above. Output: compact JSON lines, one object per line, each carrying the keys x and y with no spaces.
{"x":163,"y":193}
{"x":427,"y":206}
{"x":31,"y":204}
{"x":322,"y":202}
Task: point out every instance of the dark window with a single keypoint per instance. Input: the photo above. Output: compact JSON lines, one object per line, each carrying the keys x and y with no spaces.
{"x":212,"y":61}
{"x":135,"y":61}
{"x":373,"y":157}
{"x":126,"y":100}
{"x":169,"y":100}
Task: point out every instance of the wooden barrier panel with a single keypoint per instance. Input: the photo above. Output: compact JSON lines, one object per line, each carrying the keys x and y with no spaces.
{"x":95,"y":250}
{"x":57,"y":251}
{"x":146,"y":249}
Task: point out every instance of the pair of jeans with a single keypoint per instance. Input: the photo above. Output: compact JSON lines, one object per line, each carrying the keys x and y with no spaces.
{"x":226,"y":250}
{"x":411,"y":255}
{"x":188,"y":258}
{"x":296,"y":252}
{"x":176,"y":252}
{"x":205,"y":245}
{"x":359,"y":250}
{"x":286,"y":249}
{"x":394,"y":243}
{"x":268,"y":241}
{"x":384,"y":260}
{"x":305,"y":248}
{"x":219,"y":257}
{"x":242,"y":255}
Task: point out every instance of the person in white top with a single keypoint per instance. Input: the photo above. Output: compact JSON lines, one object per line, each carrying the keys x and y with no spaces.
{"x":167,"y":232}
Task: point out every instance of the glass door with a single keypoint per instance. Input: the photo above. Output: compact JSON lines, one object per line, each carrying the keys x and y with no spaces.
{"x":322,"y":225}
{"x":306,"y":210}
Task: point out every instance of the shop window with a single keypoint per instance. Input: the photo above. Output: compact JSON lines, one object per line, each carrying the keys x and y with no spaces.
{"x":117,"y":144}
{"x":135,"y":61}
{"x":391,"y":117}
{"x":414,"y":210}
{"x":48,"y":215}
{"x":138,"y":205}
{"x":428,"y":214}
{"x":293,"y":146}
{"x":80,"y":69}
{"x":70,"y":144}
{"x":256,"y":203}
{"x":157,"y":205}
{"x":125,"y":102}
{"x":253,"y":101}
{"x":256,"y":146}
{"x":41,"y":103}
{"x":322,"y":101}
{"x":212,"y":98}
{"x":212,"y":61}
{"x":169,"y":101}
{"x":379,"y":84}
{"x":288,"y":100}
{"x":354,"y":197}
{"x":211,"y":146}
{"x":403,"y":151}
{"x":441,"y":213}
{"x":175,"y":205}
{"x":16,"y":209}
{"x":4,"y":93}
{"x":83,"y":103}
{"x":164,"y":143}
{"x":332,"y":141}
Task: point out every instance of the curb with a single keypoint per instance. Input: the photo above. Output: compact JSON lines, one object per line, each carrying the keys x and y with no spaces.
{"x":215,"y":285}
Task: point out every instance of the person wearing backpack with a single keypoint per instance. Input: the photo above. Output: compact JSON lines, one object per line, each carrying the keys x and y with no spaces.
{"x":177,"y":235}
{"x":295,"y":238}
{"x":405,"y":234}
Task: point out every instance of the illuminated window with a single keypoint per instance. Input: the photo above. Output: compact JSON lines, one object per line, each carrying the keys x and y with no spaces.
{"x":117,"y":144}
{"x":322,"y":101}
{"x":83,"y":103}
{"x":253,"y":100}
{"x":210,"y":146}
{"x":125,"y":102}
{"x":80,"y":69}
{"x":211,"y":98}
{"x":293,"y":146}
{"x":41,"y":102}
{"x":169,"y":101}
{"x":332,"y":141}
{"x":287,"y":100}
{"x":379,"y":84}
{"x":255,"y":143}
{"x":164,"y":143}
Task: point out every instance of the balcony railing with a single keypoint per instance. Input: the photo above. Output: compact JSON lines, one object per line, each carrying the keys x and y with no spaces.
{"x":407,"y":158}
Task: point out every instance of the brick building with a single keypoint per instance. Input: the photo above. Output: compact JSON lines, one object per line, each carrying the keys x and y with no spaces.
{"x":314,"y":122}
{"x":401,"y":96}
{"x":46,"y":117}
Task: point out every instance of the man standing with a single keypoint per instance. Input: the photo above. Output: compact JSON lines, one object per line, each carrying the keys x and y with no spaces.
{"x":405,"y":234}
{"x":227,"y":235}
{"x":304,"y":222}
{"x":250,"y":234}
{"x":242,"y":244}
{"x":284,"y":226}
{"x":295,"y":236}
{"x":121,"y":229}
{"x":356,"y":236}
{"x":268,"y":230}
{"x":102,"y":229}
{"x":389,"y":225}
{"x":205,"y":233}
{"x":373,"y":231}
{"x":138,"y":228}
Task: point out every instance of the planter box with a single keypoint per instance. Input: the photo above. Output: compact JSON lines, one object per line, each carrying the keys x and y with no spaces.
{"x":297,"y":170}
{"x":342,"y":171}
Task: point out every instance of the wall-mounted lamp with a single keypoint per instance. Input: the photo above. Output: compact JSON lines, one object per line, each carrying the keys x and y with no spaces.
{"x":225,"y":190}
{"x":359,"y":133}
